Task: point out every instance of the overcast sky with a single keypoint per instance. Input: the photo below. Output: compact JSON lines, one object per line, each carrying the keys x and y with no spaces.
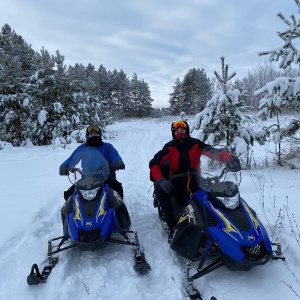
{"x":159,"y":40}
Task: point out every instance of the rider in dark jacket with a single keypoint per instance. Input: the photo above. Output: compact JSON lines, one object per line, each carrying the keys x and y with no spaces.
{"x":182,"y":154}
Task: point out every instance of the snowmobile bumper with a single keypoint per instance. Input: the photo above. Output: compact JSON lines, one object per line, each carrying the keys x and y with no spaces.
{"x":92,"y":246}
{"x":244,"y":265}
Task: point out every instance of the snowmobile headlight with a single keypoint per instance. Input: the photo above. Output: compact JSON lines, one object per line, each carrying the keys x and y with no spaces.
{"x":230,"y":202}
{"x":89,"y":194}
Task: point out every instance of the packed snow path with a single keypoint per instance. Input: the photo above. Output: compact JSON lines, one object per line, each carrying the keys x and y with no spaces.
{"x":31,"y":202}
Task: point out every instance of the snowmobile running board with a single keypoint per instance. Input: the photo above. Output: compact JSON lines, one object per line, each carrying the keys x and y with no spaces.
{"x":119,"y":237}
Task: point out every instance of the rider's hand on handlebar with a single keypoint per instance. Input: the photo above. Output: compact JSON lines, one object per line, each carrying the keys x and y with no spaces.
{"x":234,"y":164}
{"x":165,"y":185}
{"x":120,"y":165}
{"x":63,"y":170}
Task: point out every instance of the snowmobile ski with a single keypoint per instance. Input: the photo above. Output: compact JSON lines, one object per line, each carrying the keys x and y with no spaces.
{"x":140,"y":264}
{"x":35,"y":277}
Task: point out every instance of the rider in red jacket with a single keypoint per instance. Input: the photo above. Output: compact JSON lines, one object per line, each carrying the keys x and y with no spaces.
{"x":182,"y":154}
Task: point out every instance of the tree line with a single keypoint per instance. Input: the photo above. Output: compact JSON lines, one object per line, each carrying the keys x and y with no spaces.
{"x":42,"y":98}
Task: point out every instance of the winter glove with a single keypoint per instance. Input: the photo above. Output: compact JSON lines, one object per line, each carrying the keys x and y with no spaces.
{"x":234,"y":164}
{"x":63,"y":170}
{"x":165,"y":185}
{"x":120,"y":165}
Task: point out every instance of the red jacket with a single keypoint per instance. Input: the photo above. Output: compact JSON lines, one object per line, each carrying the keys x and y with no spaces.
{"x":184,"y":155}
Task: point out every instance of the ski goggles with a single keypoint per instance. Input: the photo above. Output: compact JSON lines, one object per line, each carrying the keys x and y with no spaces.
{"x":178,"y":124}
{"x":93,"y":128}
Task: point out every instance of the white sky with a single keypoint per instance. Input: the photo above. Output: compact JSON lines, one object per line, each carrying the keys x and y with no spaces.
{"x":158,"y":40}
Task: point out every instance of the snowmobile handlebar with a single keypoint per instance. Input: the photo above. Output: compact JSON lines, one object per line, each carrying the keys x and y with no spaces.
{"x":202,"y":180}
{"x":77,"y":170}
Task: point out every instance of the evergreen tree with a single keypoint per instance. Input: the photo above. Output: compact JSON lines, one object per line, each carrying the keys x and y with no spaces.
{"x":112,"y":101}
{"x":122,"y":94}
{"x":283,"y":92}
{"x":145,"y":100}
{"x":103,"y":84}
{"x":204,"y":91}
{"x":140,"y":98}
{"x":44,"y":98}
{"x":190,"y":85}
{"x":46,"y":112}
{"x":77,"y":78}
{"x":222,"y":120}
{"x":176,"y":98}
{"x":14,"y":109}
{"x":192,"y":93}
{"x":90,"y":80}
{"x":244,"y":96}
{"x":85,"y":106}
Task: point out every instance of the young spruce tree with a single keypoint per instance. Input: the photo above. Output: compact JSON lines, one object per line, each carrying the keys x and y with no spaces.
{"x":283,"y":92}
{"x":221,"y":121}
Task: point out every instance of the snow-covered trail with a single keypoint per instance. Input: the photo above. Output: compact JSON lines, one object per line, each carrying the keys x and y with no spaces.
{"x":32,"y":199}
{"x":107,"y":273}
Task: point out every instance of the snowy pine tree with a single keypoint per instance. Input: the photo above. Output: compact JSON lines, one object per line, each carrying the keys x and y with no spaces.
{"x":41,"y":99}
{"x":176,"y":98}
{"x":283,"y":92}
{"x":46,"y":93}
{"x":140,"y":98}
{"x":192,"y":93}
{"x":222,"y":121}
{"x":15,"y":64}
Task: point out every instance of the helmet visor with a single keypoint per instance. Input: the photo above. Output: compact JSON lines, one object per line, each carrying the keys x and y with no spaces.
{"x":93,"y":128}
{"x":178,"y":124}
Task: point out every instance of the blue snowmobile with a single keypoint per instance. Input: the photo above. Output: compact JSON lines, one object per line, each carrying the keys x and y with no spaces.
{"x":94,"y":216}
{"x":216,"y":228}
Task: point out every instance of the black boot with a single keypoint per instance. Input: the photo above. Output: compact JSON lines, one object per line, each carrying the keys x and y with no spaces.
{"x":66,"y":195}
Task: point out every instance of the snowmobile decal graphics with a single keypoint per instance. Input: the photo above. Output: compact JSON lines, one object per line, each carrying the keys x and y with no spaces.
{"x":189,"y":215}
{"x":77,"y":216}
{"x":252,"y":217}
{"x":229,"y":227}
{"x":101,"y":210}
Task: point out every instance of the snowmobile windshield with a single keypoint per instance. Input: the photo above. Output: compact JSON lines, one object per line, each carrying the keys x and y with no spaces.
{"x":89,"y":182}
{"x":224,"y":193}
{"x":94,"y":166}
{"x":205,"y":179}
{"x":212,"y":171}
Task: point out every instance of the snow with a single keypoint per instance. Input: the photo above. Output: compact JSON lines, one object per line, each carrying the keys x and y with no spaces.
{"x":42,"y":116}
{"x":31,"y":202}
{"x":26,"y":102}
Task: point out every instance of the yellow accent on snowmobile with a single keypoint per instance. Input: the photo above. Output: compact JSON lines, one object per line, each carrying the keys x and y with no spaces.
{"x":229,"y":227}
{"x":77,"y":215}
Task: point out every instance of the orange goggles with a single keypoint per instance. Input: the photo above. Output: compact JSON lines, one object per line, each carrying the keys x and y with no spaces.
{"x":93,"y":128}
{"x":178,"y":124}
